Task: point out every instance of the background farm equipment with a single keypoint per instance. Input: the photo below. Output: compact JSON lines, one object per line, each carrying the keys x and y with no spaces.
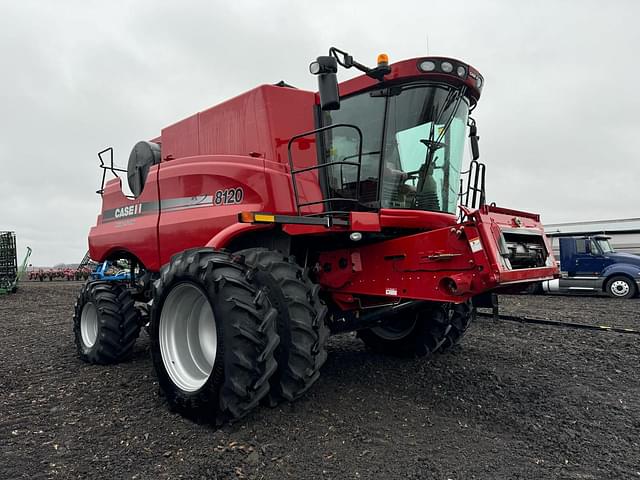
{"x":108,"y":271}
{"x":60,"y":273}
{"x":10,"y":273}
{"x":85,"y":267}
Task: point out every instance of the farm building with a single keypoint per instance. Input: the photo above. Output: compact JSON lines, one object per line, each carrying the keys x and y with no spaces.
{"x":624,"y":233}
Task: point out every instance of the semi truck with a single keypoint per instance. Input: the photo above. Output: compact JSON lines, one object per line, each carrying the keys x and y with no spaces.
{"x":589,"y":264}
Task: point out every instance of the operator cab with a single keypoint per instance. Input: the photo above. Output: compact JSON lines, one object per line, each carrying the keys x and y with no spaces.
{"x":413,"y":142}
{"x":396,"y":143}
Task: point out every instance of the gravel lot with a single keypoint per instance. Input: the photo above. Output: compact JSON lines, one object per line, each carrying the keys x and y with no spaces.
{"x":514,"y":401}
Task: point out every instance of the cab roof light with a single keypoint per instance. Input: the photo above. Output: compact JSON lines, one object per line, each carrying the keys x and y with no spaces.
{"x":427,"y":66}
{"x":446,"y":67}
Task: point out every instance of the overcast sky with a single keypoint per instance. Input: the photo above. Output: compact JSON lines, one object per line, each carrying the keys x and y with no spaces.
{"x":559,"y":119}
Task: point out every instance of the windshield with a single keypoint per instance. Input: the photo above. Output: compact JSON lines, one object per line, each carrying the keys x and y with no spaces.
{"x":411,"y":135}
{"x":604,"y":245}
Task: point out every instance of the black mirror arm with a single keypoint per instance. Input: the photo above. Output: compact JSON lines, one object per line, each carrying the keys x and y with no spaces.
{"x":345,"y":60}
{"x":473,"y":136}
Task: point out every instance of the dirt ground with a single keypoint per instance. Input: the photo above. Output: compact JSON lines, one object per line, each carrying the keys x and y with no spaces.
{"x":514,"y":401}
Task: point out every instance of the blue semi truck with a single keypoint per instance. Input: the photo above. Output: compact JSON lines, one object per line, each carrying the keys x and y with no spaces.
{"x":590,"y":265}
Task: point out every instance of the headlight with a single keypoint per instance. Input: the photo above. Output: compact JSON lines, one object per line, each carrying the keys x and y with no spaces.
{"x":427,"y":66}
{"x":461,"y":71}
{"x":446,"y":67}
{"x":314,"y":68}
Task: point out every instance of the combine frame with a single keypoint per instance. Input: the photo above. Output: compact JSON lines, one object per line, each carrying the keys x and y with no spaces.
{"x":259,"y":226}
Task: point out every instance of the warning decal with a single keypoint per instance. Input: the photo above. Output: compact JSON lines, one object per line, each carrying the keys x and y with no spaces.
{"x":475,"y":244}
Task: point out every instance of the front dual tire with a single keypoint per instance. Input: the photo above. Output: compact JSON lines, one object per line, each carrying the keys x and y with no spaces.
{"x":213,"y":336}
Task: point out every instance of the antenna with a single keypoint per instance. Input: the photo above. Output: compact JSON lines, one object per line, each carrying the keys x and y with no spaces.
{"x":427,"y":45}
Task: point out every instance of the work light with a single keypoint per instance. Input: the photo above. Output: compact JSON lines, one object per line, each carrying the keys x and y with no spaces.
{"x":446,"y":67}
{"x":427,"y":66}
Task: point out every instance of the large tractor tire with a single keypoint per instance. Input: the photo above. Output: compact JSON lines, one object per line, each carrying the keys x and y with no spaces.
{"x":620,"y":286}
{"x":420,"y":333}
{"x":105,"y":323}
{"x":301,"y":322}
{"x":213,"y":336}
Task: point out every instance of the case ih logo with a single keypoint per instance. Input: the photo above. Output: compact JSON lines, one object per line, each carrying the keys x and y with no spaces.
{"x":128,"y":211}
{"x":228,"y":196}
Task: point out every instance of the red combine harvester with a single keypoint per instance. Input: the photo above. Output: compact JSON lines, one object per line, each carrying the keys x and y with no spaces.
{"x":258,"y":227}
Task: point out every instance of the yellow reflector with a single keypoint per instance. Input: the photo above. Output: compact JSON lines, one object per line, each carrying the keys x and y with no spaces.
{"x":246,"y":217}
{"x":260,"y":217}
{"x":383,"y":59}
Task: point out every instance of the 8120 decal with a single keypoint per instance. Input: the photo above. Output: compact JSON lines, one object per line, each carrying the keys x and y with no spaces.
{"x":228,"y":196}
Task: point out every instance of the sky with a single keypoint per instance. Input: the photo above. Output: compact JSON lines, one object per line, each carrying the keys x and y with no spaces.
{"x":558,"y":118}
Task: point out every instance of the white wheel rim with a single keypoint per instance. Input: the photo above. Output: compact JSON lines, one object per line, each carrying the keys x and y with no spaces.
{"x":89,"y":324}
{"x":188,"y":337}
{"x":620,"y":288}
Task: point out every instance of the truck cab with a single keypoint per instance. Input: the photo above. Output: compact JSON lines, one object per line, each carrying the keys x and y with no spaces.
{"x":589,"y":264}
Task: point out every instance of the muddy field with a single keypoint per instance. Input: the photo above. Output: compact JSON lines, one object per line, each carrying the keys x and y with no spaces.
{"x":515,"y":401}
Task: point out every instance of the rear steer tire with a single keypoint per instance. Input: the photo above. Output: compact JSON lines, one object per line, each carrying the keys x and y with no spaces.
{"x":620,"y":286}
{"x":105,"y":323}
{"x":432,"y":329}
{"x":418,"y":333}
{"x":461,"y":316}
{"x":301,"y":322}
{"x":213,"y":336}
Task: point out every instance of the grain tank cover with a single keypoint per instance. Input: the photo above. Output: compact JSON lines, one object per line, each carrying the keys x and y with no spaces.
{"x":143,"y":155}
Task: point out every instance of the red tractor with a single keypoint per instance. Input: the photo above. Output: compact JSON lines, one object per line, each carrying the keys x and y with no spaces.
{"x":259,"y":226}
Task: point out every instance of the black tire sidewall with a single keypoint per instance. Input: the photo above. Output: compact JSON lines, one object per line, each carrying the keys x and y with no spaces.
{"x":118,"y":320}
{"x":85,"y":298}
{"x":632,"y":287}
{"x":274,"y":270}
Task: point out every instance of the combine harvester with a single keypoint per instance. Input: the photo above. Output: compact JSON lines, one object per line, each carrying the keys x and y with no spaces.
{"x":260,"y":226}
{"x":10,"y":274}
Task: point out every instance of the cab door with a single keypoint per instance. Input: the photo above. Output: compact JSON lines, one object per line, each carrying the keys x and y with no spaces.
{"x":589,"y":261}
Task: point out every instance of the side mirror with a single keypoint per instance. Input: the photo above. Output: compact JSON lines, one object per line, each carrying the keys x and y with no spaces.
{"x":473,"y":135}
{"x":326,"y":68}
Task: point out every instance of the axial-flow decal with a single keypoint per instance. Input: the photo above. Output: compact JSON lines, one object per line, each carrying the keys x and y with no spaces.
{"x":228,"y":196}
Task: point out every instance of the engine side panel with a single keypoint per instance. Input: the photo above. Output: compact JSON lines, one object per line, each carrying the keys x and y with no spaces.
{"x":201,"y":196}
{"x":127,"y":224}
